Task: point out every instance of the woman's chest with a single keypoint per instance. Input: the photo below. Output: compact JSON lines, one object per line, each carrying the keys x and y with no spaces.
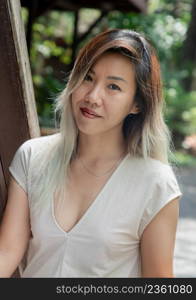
{"x":80,"y":193}
{"x":112,"y":201}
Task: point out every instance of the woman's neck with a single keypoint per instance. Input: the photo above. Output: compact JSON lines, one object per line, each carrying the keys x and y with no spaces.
{"x":98,"y":148}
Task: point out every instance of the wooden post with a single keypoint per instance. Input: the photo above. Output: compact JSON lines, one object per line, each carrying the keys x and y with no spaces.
{"x":18,"y":115}
{"x":75,"y":35}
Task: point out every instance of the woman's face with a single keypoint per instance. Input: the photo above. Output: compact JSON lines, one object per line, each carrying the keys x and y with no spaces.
{"x":106,"y":95}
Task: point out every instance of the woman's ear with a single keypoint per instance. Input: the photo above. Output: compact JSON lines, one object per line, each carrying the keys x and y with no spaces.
{"x":135,"y":109}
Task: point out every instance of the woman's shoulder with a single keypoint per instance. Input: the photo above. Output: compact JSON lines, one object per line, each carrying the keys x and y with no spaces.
{"x":37,"y":147}
{"x":41,"y":140}
{"x":37,"y":144}
{"x":150,"y":167}
{"x":153,"y":175}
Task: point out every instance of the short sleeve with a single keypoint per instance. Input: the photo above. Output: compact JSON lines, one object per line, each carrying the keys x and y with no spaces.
{"x":164,"y":190}
{"x":19,"y":166}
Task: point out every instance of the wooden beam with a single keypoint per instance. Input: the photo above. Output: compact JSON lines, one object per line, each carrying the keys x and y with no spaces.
{"x":18,"y":115}
{"x":141,"y":5}
{"x":3,"y":191}
{"x":75,"y":35}
{"x":33,"y":6}
{"x":92,"y":26}
{"x":78,"y":39}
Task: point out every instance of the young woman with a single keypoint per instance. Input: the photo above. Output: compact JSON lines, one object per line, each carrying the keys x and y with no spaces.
{"x":99,"y":198}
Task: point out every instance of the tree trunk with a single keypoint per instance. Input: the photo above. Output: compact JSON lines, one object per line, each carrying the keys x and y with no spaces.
{"x":189,"y":50}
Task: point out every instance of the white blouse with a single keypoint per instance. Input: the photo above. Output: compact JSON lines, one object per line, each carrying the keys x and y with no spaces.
{"x":105,"y":241}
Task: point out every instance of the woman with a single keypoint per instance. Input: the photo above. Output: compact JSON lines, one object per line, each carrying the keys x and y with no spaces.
{"x":98,"y":199}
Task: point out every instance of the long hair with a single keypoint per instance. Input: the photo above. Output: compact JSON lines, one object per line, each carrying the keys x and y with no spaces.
{"x":145,"y":133}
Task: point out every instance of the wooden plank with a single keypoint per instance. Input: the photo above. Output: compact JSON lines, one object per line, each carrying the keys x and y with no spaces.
{"x":140,"y":4}
{"x":24,"y":66}
{"x":3,"y":191}
{"x":18,"y":115}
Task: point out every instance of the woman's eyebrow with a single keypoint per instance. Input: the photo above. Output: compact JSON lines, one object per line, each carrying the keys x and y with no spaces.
{"x":117,"y":78}
{"x":111,"y":77}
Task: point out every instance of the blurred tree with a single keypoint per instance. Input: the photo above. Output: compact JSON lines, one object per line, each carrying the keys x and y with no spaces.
{"x":188,"y":60}
{"x":167,"y":24}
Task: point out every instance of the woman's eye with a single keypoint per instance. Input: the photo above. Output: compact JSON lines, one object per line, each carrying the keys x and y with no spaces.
{"x":114,"y":87}
{"x":88,"y":78}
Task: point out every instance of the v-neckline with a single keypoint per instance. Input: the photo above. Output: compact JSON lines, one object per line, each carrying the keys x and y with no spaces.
{"x":91,"y":206}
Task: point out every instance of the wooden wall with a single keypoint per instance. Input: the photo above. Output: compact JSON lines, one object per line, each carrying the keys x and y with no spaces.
{"x":18,"y":115}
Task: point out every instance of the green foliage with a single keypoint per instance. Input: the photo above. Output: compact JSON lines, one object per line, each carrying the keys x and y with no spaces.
{"x":165,"y":25}
{"x":47,"y":89}
{"x":184,"y":159}
{"x":181,"y":109}
{"x":50,"y":50}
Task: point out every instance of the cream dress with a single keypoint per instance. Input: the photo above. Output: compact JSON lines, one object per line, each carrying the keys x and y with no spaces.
{"x":105,"y":241}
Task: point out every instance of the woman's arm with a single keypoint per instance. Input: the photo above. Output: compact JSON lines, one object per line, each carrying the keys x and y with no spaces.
{"x":158,"y":241}
{"x":14,"y":229}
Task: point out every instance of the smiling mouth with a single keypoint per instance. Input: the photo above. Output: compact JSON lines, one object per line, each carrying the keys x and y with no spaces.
{"x":88,"y":115}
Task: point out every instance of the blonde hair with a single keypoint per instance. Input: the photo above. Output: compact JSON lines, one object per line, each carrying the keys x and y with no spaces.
{"x":146,"y":133}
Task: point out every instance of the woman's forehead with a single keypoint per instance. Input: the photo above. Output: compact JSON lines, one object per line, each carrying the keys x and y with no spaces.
{"x":112,"y":62}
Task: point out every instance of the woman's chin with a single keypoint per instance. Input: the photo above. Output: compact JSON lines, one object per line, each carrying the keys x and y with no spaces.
{"x":88,"y":131}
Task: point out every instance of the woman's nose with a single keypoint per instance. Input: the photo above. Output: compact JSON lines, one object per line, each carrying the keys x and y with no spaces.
{"x":95,"y":95}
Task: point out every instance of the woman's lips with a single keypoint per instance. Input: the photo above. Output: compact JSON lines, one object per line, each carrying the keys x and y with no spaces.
{"x":86,"y":114}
